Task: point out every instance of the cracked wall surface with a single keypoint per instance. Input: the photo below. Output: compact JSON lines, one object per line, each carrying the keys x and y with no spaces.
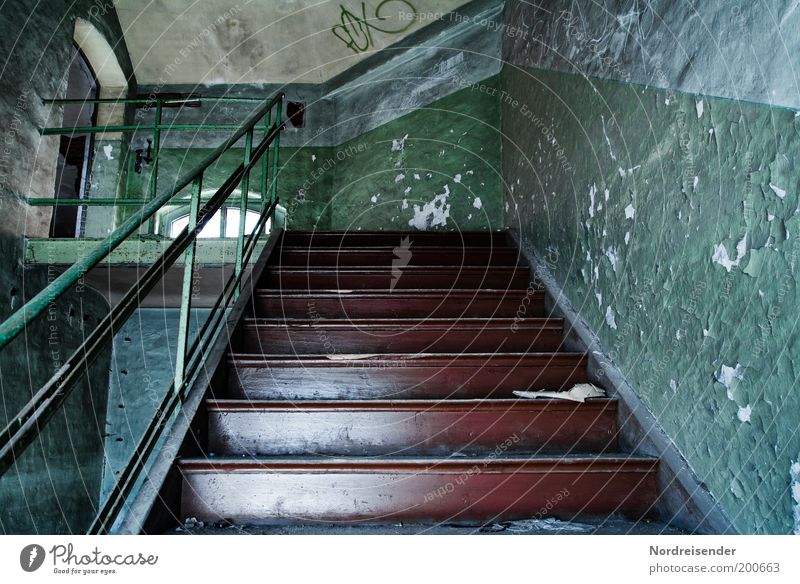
{"x":671,"y":221}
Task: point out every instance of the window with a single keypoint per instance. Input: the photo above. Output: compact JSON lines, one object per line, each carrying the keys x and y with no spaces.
{"x":213,"y":227}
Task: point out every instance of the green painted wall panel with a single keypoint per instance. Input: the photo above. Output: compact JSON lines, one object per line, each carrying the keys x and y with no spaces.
{"x":437,"y":167}
{"x":671,"y":221}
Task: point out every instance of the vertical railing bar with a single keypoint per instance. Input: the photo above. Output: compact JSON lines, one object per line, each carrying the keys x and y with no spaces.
{"x":108,"y":514}
{"x":156,"y":150}
{"x":274,"y":183}
{"x":245,"y":189}
{"x":188,"y":286}
{"x":265,"y":165}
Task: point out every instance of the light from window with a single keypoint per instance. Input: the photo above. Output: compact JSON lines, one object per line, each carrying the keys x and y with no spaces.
{"x":212,"y":228}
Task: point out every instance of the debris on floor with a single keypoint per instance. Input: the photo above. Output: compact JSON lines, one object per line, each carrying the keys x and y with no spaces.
{"x":580,"y":393}
{"x":538,"y":525}
{"x":193,"y":523}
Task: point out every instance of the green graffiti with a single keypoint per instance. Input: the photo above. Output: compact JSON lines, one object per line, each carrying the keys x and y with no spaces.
{"x":356,"y":31}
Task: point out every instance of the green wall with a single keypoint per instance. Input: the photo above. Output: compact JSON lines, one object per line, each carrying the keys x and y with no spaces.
{"x":671,"y":222}
{"x":437,"y":167}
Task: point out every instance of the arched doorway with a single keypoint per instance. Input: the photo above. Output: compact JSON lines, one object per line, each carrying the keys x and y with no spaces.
{"x":94,"y":73}
{"x":75,"y":150}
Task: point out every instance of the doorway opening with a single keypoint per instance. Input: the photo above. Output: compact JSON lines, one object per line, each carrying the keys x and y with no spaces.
{"x":75,"y":150}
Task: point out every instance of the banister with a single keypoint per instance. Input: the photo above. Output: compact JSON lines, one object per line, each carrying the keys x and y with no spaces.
{"x":146,"y":100}
{"x":173,"y":398}
{"x":21,"y":431}
{"x":26,"y":426}
{"x":17,"y":322}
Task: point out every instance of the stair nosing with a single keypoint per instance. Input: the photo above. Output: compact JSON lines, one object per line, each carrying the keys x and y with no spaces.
{"x":482,"y":405}
{"x":400,"y":293}
{"x":465,"y":323}
{"x":503,"y":464}
{"x":410,"y":358}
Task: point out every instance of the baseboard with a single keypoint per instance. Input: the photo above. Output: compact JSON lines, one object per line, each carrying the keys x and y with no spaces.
{"x":684,"y":501}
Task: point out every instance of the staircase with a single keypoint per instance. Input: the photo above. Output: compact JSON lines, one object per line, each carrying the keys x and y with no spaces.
{"x":372,"y":382}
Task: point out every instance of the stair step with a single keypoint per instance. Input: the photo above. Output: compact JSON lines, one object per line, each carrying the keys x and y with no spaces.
{"x":400,"y":303}
{"x":387,"y":256}
{"x":401,"y":335}
{"x":411,"y":427}
{"x":400,"y":376}
{"x":339,"y":239}
{"x":411,"y":277}
{"x":458,"y":489}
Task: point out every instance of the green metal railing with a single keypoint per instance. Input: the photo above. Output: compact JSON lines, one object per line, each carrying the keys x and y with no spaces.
{"x":28,"y":423}
{"x":156,"y":127}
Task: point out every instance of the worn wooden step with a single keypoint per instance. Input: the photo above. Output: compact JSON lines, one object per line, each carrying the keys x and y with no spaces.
{"x":399,"y":376}
{"x":411,"y":277}
{"x":410,"y":427}
{"x":449,"y":239}
{"x":459,"y":490}
{"x":394,"y":256}
{"x":399,"y":304}
{"x":469,"y":335}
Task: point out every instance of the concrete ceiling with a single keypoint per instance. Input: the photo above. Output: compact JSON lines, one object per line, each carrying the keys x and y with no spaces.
{"x":263,"y":41}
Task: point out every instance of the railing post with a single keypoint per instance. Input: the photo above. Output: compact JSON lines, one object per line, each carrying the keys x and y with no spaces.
{"x":265,"y":164}
{"x":274,"y":183}
{"x":154,"y":171}
{"x":243,"y":200}
{"x":188,"y":287}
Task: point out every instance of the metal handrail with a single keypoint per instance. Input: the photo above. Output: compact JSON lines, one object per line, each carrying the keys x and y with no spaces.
{"x":156,"y":127}
{"x":63,"y":131}
{"x":109,"y":202}
{"x":27,"y":425}
{"x":163,"y":100}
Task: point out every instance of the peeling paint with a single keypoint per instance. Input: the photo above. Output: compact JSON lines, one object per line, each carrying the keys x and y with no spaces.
{"x":611,"y":318}
{"x":721,"y":254}
{"x":608,"y":141}
{"x":629,"y":172}
{"x":432,"y":214}
{"x":781,"y":193}
{"x":736,"y":352}
{"x":744,"y":414}
{"x":728,"y":375}
{"x":107,"y":150}
{"x":611,"y":254}
{"x":399,"y":144}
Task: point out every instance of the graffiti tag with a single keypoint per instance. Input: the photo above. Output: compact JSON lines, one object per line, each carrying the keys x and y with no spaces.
{"x":355,"y":31}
